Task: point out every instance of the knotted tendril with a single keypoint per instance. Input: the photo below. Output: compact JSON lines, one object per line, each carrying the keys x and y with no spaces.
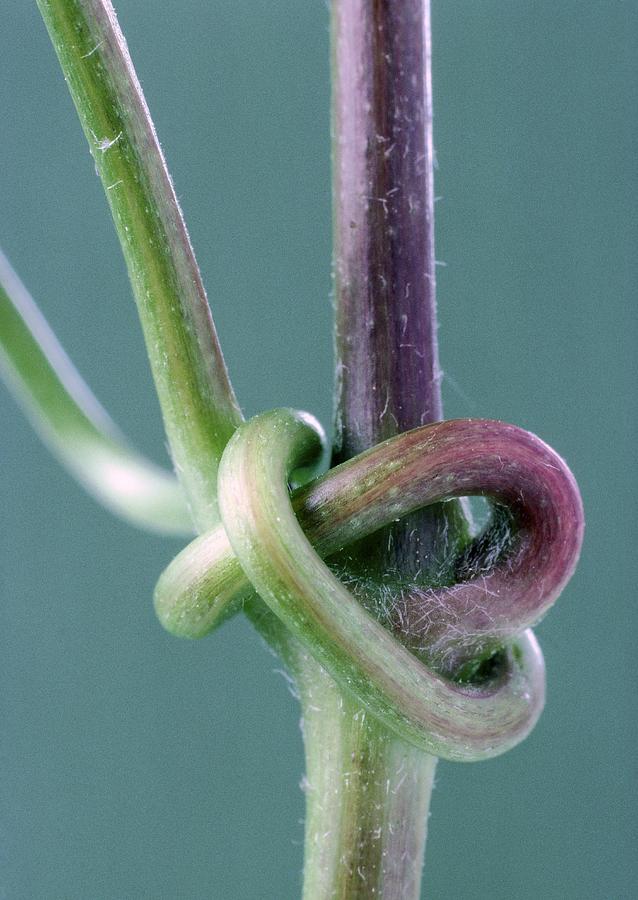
{"x":272,"y":541}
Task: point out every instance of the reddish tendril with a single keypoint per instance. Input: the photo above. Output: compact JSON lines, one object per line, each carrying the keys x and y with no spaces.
{"x":512,"y":573}
{"x":507,"y":584}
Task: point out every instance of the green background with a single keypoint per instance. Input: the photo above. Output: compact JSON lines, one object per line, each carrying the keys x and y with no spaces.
{"x":135,"y":765}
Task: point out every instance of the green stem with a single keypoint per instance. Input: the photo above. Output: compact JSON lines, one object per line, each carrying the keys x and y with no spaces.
{"x":361,"y":840}
{"x":367,"y":790}
{"x":377,"y":710}
{"x":197,"y":401}
{"x":73,"y":424}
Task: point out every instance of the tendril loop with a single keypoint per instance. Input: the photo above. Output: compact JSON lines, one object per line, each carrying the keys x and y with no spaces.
{"x":272,"y":543}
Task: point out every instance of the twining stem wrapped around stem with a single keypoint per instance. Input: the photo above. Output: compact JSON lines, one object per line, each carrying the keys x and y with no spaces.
{"x":508,"y":581}
{"x":372,"y":707}
{"x":490,"y":609}
{"x":453,"y":671}
{"x":198,"y":404}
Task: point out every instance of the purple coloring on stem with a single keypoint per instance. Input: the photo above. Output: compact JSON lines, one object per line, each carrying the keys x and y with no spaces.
{"x":387,"y":370}
{"x":384,"y":222}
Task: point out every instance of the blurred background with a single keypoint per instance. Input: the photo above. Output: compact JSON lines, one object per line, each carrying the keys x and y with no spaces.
{"x":136,"y":765}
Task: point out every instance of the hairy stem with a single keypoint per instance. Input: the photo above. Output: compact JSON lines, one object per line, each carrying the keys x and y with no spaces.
{"x":359,"y":777}
{"x":198,"y":405}
{"x":343,"y":659}
{"x":443,"y":671}
{"x":433,"y":713}
{"x":387,"y":382}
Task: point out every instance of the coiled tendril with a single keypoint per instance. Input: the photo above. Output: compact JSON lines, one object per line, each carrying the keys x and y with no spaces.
{"x":272,"y":543}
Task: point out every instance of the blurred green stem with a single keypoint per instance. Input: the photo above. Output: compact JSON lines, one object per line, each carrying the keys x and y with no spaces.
{"x":73,"y":424}
{"x":198,"y":405}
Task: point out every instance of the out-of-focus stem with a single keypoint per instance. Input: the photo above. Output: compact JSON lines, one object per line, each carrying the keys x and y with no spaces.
{"x":198,"y":404}
{"x":73,"y":424}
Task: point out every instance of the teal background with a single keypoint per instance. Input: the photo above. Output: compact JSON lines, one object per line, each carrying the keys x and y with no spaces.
{"x":134,"y":765}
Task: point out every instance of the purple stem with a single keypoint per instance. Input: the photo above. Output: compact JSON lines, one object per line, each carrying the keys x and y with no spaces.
{"x":384,"y":222}
{"x":388,"y":376}
{"x":387,"y":368}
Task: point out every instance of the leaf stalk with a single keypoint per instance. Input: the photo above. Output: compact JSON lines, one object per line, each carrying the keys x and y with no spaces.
{"x":198,"y":404}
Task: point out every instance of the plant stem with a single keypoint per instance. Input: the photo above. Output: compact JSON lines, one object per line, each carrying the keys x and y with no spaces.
{"x":367,"y":797}
{"x":74,"y":425}
{"x":388,"y":381}
{"x":375,"y":713}
{"x":197,"y":401}
{"x":387,"y":355}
